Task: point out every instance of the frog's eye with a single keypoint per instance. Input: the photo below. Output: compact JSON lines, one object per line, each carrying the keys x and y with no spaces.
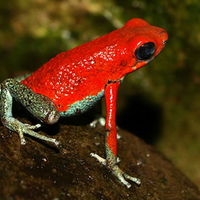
{"x":145,"y":51}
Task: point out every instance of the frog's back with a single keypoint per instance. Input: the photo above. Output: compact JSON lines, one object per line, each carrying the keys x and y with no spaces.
{"x":85,"y":70}
{"x":80,"y":72}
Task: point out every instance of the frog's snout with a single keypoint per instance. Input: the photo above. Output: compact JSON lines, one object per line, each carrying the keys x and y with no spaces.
{"x":164,"y":36}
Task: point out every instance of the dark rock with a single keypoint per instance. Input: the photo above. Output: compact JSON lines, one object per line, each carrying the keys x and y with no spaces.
{"x":41,"y":171}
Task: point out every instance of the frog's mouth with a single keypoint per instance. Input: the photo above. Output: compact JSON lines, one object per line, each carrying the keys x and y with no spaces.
{"x":140,"y":63}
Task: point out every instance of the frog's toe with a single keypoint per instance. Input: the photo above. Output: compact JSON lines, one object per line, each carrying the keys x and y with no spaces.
{"x":102,"y":160}
{"x":119,"y":136}
{"x":37,"y":135}
{"x":22,"y":139}
{"x":133,"y":179}
{"x":99,"y":158}
{"x":100,"y":121}
{"x":32,"y":127}
{"x":122,"y":176}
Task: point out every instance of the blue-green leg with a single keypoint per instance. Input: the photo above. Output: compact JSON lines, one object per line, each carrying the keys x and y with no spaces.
{"x":40,"y":106}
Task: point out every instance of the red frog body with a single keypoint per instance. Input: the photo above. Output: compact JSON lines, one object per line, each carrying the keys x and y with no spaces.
{"x":73,"y":81}
{"x":84,"y":71}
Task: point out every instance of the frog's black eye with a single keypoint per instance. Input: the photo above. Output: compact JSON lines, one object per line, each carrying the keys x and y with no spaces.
{"x":145,"y":51}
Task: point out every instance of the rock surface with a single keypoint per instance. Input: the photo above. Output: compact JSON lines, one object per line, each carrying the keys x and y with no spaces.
{"x":38,"y":170}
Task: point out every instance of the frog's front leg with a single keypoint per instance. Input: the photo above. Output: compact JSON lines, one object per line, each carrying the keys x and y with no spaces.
{"x":111,"y":160}
{"x":40,"y":106}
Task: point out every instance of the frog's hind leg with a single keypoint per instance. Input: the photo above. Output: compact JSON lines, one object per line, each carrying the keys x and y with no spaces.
{"x":40,"y":106}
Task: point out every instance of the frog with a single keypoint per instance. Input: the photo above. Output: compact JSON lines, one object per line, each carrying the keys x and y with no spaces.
{"x":72,"y":82}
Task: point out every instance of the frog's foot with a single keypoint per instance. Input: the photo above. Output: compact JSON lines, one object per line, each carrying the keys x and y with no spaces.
{"x":102,"y":122}
{"x":17,"y":126}
{"x":121,"y":175}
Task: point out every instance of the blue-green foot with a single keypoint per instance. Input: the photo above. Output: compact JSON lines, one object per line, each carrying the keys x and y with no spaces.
{"x":121,"y":175}
{"x":17,"y":126}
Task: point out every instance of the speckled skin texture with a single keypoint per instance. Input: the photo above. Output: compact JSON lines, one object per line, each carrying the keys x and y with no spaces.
{"x":82,"y":106}
{"x":73,"y":81}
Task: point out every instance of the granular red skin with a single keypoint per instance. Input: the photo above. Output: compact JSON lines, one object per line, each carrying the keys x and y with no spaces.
{"x":85,"y":70}
{"x":111,"y":93}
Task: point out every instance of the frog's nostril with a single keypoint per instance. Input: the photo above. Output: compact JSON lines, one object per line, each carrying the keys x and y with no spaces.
{"x":165,"y":41}
{"x":163,"y":36}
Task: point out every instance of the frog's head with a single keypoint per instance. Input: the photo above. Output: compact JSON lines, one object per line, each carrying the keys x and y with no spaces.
{"x":146,"y":42}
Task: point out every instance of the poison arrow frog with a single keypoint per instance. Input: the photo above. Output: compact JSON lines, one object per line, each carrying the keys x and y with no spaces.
{"x":73,"y":81}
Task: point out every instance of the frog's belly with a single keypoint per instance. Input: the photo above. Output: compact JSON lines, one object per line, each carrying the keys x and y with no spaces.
{"x":83,"y":105}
